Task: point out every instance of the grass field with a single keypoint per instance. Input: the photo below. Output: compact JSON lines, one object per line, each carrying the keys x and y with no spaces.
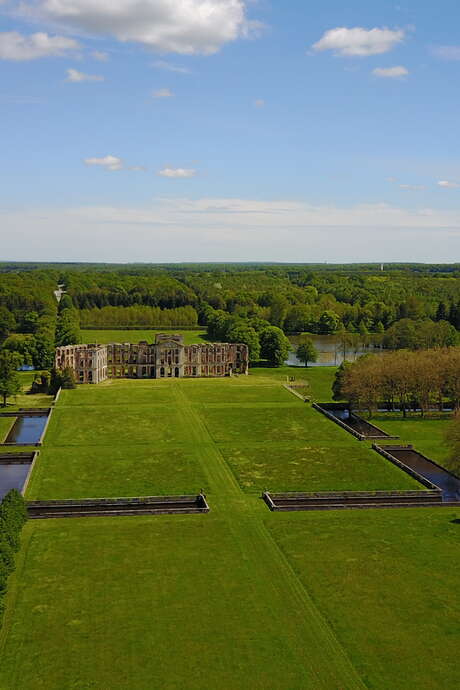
{"x":134,"y":336}
{"x":388,"y":583}
{"x":239,"y":597}
{"x":24,"y":399}
{"x":425,"y":433}
{"x":5,"y":425}
{"x":130,"y":438}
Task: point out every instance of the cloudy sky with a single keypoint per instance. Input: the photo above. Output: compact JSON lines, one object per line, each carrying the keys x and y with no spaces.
{"x":229,"y":130}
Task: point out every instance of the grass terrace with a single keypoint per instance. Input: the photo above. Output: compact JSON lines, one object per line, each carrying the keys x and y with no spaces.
{"x":425,"y":433}
{"x":387,"y":581}
{"x":328,"y":601}
{"x":128,"y":438}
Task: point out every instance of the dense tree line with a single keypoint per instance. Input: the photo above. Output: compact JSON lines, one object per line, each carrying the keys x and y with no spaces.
{"x":407,"y":380}
{"x":294,"y":298}
{"x":403,"y":306}
{"x":28,"y":315}
{"x":263,"y":340}
{"x":13,"y":515}
{"x":155,"y":289}
{"x":128,"y":317}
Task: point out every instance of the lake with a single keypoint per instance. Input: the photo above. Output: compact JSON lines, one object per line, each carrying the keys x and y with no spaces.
{"x":330,"y":350}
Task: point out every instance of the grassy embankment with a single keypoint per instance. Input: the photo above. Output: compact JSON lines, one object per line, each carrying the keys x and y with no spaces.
{"x":115,"y":602}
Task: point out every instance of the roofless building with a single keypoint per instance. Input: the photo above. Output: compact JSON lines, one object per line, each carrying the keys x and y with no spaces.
{"x":167,"y":357}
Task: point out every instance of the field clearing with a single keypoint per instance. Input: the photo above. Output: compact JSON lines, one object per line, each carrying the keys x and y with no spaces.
{"x":134,"y":336}
{"x":388,"y":584}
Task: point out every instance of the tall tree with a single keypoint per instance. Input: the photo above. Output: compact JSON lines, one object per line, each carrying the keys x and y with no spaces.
{"x":307,"y":352}
{"x":274,"y":345}
{"x":9,"y":379}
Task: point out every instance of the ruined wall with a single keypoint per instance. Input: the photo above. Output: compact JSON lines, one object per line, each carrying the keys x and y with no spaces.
{"x":168,"y":357}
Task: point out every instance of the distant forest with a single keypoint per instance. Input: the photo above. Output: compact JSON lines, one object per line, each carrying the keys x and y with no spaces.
{"x":413,"y":306}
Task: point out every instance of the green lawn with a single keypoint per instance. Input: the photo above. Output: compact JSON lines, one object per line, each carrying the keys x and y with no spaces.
{"x":170,"y":602}
{"x":24,"y":399}
{"x":5,"y":425}
{"x":134,"y":336}
{"x":425,"y":433}
{"x":320,"y":379}
{"x":388,"y":584}
{"x":314,"y":467}
{"x":238,"y":597}
{"x":128,"y":438}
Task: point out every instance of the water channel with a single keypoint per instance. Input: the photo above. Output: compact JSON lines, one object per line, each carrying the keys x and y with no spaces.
{"x":448,"y":483}
{"x":13,"y":474}
{"x":356,"y":423}
{"x":27,"y":429}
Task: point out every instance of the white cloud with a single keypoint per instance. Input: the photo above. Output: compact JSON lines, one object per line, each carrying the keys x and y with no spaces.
{"x":169,"y":67}
{"x":217,"y":229}
{"x":448,"y":185}
{"x":447,"y":52}
{"x":177,"y":172}
{"x":259,"y":103}
{"x":74,"y":76}
{"x":100,"y":56}
{"x":107,"y":162}
{"x":177,"y":26}
{"x":359,"y":41}
{"x":162,"y":93}
{"x":391,"y":72}
{"x":16,"y":46}
{"x":412,"y":187}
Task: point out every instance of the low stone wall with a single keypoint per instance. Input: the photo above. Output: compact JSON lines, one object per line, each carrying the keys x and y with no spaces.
{"x":332,"y":500}
{"x":92,"y":507}
{"x":324,"y":409}
{"x":303,"y":398}
{"x":334,"y":419}
{"x":386,"y":454}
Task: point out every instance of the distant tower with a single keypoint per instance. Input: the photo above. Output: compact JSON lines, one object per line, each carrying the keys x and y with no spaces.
{"x":381,"y":267}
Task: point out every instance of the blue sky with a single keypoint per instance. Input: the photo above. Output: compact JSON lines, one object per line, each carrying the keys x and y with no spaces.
{"x":229,"y":130}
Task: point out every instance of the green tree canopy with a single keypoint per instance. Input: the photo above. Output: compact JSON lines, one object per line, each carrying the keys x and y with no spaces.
{"x":9,"y":379}
{"x":307,"y":352}
{"x":274,"y":345}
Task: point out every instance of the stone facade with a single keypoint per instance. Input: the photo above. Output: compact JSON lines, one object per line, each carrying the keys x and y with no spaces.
{"x":168,"y":357}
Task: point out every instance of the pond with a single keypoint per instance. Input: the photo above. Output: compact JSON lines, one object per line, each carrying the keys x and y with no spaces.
{"x":13,"y":475}
{"x":27,"y":429}
{"x":331,"y":351}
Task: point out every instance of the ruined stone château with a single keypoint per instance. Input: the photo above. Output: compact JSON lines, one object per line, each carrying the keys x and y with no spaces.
{"x":167,"y":357}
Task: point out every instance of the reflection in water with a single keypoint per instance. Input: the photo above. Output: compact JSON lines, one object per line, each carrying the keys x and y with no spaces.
{"x":27,"y":429}
{"x":12,"y":476}
{"x":331,"y":351}
{"x":449,"y":485}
